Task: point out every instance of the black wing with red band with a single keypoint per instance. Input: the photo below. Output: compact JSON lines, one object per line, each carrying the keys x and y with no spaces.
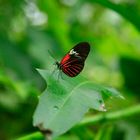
{"x":73,"y":62}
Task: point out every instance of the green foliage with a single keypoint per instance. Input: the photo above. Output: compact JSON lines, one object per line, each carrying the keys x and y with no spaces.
{"x":104,"y":133}
{"x":28,"y":29}
{"x":124,"y":9}
{"x":65,"y":102}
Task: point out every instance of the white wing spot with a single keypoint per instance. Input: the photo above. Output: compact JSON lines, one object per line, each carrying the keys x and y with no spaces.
{"x":72,"y":52}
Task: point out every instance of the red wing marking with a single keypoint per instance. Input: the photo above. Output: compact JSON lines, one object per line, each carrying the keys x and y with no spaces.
{"x":69,"y":62}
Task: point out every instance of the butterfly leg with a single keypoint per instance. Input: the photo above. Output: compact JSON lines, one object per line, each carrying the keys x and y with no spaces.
{"x":54,"y":70}
{"x":60,"y":75}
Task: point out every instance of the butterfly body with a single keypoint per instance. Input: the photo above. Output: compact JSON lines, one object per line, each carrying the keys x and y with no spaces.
{"x":73,"y":62}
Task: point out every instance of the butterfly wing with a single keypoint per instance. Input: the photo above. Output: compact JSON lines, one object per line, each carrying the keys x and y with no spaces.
{"x":83,"y":49}
{"x":73,"y":62}
{"x":73,"y":67}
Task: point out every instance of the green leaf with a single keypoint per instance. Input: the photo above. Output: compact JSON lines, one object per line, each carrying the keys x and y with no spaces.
{"x":105,"y":132}
{"x":125,"y":10}
{"x":65,"y":101}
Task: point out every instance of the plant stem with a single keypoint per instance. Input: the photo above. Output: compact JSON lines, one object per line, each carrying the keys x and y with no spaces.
{"x":35,"y":135}
{"x":110,"y":116}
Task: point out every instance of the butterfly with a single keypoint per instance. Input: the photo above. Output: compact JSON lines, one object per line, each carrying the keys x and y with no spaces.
{"x":73,"y":62}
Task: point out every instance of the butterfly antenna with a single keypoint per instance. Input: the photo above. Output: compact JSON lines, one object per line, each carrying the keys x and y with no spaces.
{"x":52,"y":55}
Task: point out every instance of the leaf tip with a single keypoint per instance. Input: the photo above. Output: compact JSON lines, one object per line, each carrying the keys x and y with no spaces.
{"x":37,"y":69}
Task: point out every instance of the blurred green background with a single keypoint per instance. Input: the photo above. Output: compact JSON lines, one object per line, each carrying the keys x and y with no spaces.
{"x":28,"y":28}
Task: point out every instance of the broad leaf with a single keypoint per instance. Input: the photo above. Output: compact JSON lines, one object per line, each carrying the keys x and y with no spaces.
{"x":65,"y":101}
